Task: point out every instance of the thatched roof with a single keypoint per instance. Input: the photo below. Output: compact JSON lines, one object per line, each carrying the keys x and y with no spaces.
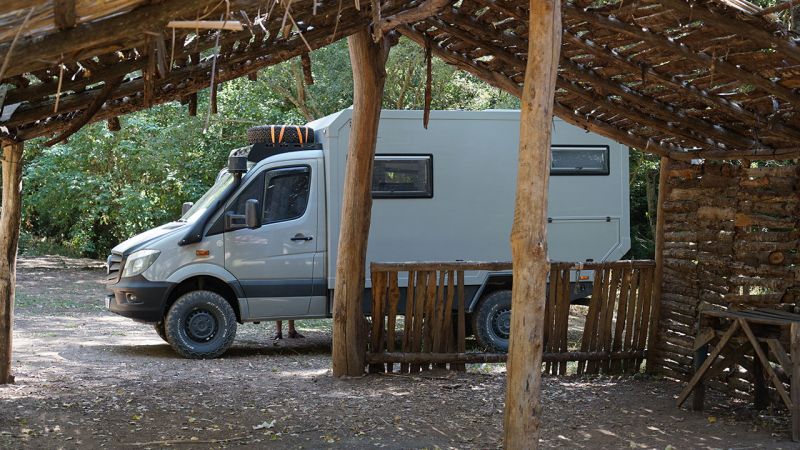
{"x":670,"y":77}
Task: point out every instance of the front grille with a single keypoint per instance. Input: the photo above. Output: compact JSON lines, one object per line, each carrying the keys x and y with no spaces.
{"x":113,"y":268}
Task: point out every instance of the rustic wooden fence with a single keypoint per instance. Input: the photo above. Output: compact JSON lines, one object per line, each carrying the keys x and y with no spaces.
{"x":614,"y":338}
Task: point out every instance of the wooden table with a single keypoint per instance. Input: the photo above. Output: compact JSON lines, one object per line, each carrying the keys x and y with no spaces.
{"x":769,"y":323}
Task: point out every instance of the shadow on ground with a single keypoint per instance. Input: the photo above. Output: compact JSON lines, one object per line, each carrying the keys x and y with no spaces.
{"x":89,"y":379}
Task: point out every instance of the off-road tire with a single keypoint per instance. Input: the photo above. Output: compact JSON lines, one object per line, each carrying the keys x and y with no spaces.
{"x":201,"y":325}
{"x":491,"y":320}
{"x":162,"y":333}
{"x":280,"y":134}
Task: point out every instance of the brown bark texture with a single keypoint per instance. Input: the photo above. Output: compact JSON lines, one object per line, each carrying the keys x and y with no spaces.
{"x":522,"y":415}
{"x":368,"y":60}
{"x":663,"y":192}
{"x":9,"y":236}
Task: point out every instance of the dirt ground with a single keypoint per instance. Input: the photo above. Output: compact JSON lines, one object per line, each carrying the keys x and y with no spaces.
{"x":86,"y":378}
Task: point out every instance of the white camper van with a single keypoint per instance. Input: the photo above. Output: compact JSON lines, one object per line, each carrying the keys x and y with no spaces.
{"x":261,"y":244}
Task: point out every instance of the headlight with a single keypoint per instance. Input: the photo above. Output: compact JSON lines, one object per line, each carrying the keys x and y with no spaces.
{"x":139,"y":261}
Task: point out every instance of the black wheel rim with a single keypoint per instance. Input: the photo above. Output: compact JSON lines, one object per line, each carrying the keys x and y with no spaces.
{"x":201,"y":325}
{"x":501,"y":323}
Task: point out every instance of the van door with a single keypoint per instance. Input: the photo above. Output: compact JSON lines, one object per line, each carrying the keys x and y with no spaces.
{"x":274,"y":264}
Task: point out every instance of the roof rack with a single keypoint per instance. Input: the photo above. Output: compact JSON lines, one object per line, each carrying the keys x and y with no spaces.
{"x":262,"y":150}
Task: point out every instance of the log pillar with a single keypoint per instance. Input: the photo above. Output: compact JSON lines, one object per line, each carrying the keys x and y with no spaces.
{"x":10,"y":210}
{"x":658,"y":276}
{"x":522,"y":415}
{"x":368,"y":60}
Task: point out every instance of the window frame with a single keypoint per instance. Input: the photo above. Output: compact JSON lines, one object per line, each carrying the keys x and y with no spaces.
{"x":383,"y":195}
{"x":291,"y":170}
{"x":574,"y":172}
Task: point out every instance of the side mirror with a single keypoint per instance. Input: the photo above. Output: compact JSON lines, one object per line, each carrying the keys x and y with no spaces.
{"x":252,"y":214}
{"x":186,"y":207}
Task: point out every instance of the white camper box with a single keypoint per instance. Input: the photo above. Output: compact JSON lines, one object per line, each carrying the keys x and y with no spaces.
{"x":474,"y":169}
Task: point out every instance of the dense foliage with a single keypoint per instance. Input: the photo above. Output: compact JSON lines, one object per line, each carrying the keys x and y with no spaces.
{"x":101,"y":187}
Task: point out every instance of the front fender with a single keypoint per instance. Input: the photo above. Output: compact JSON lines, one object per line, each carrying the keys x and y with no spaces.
{"x":212,"y":270}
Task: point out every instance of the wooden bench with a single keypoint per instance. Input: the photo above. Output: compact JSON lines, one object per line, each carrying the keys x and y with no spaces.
{"x":761,"y":328}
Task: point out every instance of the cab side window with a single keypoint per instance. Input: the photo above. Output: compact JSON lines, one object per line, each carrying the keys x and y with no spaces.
{"x":252,"y":191}
{"x":286,"y":194}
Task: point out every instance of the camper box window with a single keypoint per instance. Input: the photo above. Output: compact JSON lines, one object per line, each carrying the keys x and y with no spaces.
{"x":579,"y":160}
{"x":402,"y":176}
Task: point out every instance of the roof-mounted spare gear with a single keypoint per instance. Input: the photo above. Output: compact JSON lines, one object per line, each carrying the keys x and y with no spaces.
{"x":270,"y":140}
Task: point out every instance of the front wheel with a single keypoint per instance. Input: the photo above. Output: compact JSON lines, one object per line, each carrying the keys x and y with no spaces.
{"x":161,"y":331}
{"x":200,"y":325}
{"x":491,"y":322}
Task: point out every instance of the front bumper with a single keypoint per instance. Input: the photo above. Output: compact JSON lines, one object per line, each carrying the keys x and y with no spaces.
{"x":139,"y":299}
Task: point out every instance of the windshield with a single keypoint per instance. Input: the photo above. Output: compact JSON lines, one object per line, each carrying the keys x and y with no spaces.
{"x":208,"y":199}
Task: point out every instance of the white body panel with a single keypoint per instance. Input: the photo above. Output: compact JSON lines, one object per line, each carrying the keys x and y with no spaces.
{"x":474,"y":179}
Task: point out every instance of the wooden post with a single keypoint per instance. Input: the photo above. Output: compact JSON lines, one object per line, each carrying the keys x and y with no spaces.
{"x":368,"y":60}
{"x":794,"y":336}
{"x":658,"y":276}
{"x":10,"y":210}
{"x":700,"y":356}
{"x":529,"y":232}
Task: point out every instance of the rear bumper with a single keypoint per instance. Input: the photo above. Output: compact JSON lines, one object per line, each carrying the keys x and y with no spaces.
{"x":139,"y":299}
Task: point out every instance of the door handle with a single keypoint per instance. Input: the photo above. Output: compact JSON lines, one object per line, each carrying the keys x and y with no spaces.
{"x":302,"y":237}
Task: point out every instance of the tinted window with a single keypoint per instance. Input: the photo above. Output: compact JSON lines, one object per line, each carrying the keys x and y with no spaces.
{"x":252,"y":191}
{"x":402,"y":176}
{"x":286,"y":195}
{"x":579,"y":160}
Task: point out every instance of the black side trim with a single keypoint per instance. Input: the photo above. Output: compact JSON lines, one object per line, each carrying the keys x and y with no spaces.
{"x":285,"y":288}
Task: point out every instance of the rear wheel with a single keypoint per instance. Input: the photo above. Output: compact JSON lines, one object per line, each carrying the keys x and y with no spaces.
{"x":201,"y":324}
{"x":491,"y":322}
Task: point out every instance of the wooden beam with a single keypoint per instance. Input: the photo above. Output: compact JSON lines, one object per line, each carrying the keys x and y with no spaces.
{"x":9,"y":6}
{"x":182,"y":81}
{"x":87,"y":115}
{"x":192,"y":104}
{"x":368,"y":60}
{"x":509,"y":10}
{"x":643,"y":116}
{"x":522,"y":416}
{"x":777,"y":8}
{"x":113,"y":124}
{"x":753,"y":155}
{"x":9,"y":237}
{"x":230,"y":25}
{"x":698,"y":375}
{"x":97,"y":37}
{"x":479,"y":358}
{"x":742,"y":28}
{"x":428,"y":8}
{"x":64,"y":14}
{"x":305,"y":63}
{"x":666,"y":112}
{"x":494,"y":50}
{"x":698,"y":57}
{"x":731,"y":108}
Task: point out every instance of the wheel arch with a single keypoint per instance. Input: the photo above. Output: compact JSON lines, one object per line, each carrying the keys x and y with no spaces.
{"x":494,"y":281}
{"x":229,"y":291}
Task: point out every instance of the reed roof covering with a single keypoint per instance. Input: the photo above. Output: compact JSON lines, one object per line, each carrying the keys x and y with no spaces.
{"x":711,"y":79}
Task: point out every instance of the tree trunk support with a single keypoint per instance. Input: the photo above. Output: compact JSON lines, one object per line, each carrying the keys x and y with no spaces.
{"x":10,"y":210}
{"x":368,"y":60}
{"x":529,"y":233}
{"x":658,"y":276}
